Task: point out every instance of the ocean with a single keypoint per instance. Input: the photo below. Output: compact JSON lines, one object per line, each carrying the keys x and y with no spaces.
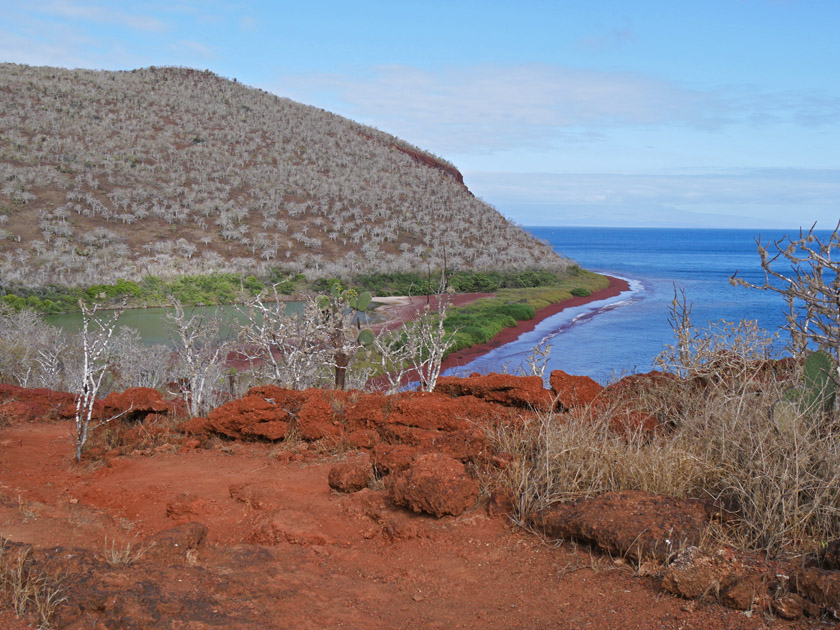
{"x":612,"y":338}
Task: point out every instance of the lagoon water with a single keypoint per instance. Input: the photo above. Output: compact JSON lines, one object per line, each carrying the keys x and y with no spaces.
{"x":624,"y":335}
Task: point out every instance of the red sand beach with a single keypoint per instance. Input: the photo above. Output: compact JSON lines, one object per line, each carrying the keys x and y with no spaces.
{"x":462,"y":357}
{"x":402,"y":309}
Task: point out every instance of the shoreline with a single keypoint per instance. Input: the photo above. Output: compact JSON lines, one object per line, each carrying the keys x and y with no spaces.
{"x":507,"y":335}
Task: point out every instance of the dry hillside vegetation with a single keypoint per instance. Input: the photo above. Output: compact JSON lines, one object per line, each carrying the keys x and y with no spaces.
{"x":171,"y":170}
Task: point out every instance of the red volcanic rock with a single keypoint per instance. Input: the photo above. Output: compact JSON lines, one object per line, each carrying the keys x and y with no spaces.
{"x":504,"y":389}
{"x":315,"y":418}
{"x":363,"y":438}
{"x":422,"y":421}
{"x":573,"y":391}
{"x":351,"y":475}
{"x":135,"y":403}
{"x":19,"y":404}
{"x":632,"y":524}
{"x":366,"y":410}
{"x":390,"y":458}
{"x":629,"y":422}
{"x":819,"y":586}
{"x":252,"y":416}
{"x":435,"y":484}
{"x":630,"y":387}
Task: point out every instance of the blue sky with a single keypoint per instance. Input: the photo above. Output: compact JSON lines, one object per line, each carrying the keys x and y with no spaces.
{"x":720,"y":113}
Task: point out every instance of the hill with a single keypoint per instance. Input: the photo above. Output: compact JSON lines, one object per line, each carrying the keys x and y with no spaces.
{"x":166,"y":171}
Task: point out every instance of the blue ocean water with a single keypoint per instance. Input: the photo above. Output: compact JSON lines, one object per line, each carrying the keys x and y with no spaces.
{"x":624,"y":335}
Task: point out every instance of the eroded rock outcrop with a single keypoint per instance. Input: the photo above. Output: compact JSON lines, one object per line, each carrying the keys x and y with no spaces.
{"x":19,"y":404}
{"x":504,"y":389}
{"x":632,"y":524}
{"x":573,"y":391}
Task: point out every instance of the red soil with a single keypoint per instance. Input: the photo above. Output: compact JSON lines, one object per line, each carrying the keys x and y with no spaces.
{"x":283,"y":550}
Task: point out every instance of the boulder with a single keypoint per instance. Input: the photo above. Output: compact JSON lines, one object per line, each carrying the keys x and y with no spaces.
{"x":315,"y":419}
{"x":504,"y":389}
{"x":435,"y":484}
{"x":634,"y":524}
{"x":252,"y":416}
{"x":573,"y":391}
{"x":351,"y":475}
{"x":820,"y":586}
{"x":19,"y":404}
{"x":135,"y":403}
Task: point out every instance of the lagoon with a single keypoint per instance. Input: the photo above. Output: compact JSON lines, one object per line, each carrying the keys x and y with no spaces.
{"x":624,"y":335}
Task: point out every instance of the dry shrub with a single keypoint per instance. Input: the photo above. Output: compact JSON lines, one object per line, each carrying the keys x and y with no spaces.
{"x":561,"y":458}
{"x":150,"y":435}
{"x":719,"y":440}
{"x":25,"y":589}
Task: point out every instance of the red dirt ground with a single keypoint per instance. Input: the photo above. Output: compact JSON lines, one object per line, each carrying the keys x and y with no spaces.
{"x":287,"y":552}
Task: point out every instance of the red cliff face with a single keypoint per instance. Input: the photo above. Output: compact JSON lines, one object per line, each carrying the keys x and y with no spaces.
{"x":428,"y":160}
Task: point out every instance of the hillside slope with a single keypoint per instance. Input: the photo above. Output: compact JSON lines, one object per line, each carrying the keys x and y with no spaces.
{"x":172,"y":170}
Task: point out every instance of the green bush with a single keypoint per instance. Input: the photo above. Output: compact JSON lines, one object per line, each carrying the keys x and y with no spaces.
{"x":519,"y":312}
{"x":581,"y":292}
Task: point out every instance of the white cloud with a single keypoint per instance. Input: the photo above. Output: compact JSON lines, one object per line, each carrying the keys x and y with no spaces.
{"x":747,"y":197}
{"x":496,"y":107}
{"x":96,"y":13}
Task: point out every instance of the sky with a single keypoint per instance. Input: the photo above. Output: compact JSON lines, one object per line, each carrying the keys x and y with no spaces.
{"x":660,"y":113}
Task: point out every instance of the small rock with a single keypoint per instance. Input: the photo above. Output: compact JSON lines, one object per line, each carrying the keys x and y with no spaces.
{"x":819,"y":586}
{"x":789,"y":606}
{"x":749,"y":593}
{"x":435,"y":484}
{"x":351,"y":475}
{"x":500,"y":503}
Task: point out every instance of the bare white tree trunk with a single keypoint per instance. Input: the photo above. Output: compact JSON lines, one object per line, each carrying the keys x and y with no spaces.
{"x":201,"y":356}
{"x":96,"y":335}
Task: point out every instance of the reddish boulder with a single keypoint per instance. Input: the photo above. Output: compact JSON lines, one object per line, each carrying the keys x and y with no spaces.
{"x":390,"y":458}
{"x":504,"y":389}
{"x":253,"y":416}
{"x":366,"y":410}
{"x":736,"y":579}
{"x":351,"y":475}
{"x":135,"y":403}
{"x":632,"y":524}
{"x":315,"y":418}
{"x":819,"y":586}
{"x":19,"y":404}
{"x":435,"y":484}
{"x":573,"y":391}
{"x":363,"y":438}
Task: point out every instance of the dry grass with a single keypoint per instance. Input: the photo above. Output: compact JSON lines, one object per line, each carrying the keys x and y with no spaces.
{"x":121,"y":555}
{"x":779,"y":486}
{"x":25,"y":589}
